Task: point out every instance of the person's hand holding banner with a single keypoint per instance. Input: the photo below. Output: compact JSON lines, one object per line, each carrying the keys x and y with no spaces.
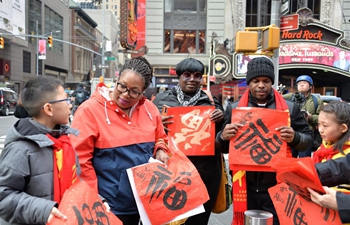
{"x":257,"y":143}
{"x":192,"y":129}
{"x":166,"y":193}
{"x":291,"y":197}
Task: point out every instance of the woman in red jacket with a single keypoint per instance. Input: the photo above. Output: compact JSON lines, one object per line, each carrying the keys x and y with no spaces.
{"x":119,"y":129}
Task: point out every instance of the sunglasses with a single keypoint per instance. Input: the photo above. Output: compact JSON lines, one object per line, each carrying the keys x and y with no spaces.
{"x":197,"y":76}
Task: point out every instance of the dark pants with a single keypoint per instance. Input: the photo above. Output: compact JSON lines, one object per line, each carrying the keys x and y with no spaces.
{"x":129,"y":219}
{"x":211,"y":178}
{"x":262,"y":201}
{"x":306,"y":153}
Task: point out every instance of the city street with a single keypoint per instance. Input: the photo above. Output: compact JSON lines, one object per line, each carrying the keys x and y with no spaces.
{"x":215,"y":219}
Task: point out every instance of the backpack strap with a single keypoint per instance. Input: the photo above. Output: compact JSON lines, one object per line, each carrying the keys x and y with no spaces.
{"x":209,"y":96}
{"x":314,"y":98}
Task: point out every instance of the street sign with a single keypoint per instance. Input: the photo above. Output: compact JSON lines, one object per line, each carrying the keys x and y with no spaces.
{"x":290,"y":22}
{"x":110,"y":58}
{"x":284,"y":7}
{"x":100,"y":66}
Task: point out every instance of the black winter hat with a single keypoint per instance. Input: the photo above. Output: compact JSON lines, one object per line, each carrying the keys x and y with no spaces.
{"x":260,"y":67}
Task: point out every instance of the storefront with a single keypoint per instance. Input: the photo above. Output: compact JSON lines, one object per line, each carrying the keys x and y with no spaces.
{"x":313,"y":48}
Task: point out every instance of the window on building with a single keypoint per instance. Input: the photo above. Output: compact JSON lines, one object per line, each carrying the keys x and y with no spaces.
{"x":26,"y":62}
{"x":115,"y":6}
{"x":54,"y":26}
{"x":116,"y":13}
{"x":258,"y":12}
{"x":185,"y":26}
{"x":106,"y":6}
{"x":34,"y":17}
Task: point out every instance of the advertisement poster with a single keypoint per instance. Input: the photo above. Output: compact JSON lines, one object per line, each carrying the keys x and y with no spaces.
{"x":295,"y":53}
{"x":141,"y":23}
{"x":12,"y":16}
{"x":316,"y":54}
{"x":42,"y":49}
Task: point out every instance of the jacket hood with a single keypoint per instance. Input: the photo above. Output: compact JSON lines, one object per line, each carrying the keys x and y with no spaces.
{"x":34,"y":131}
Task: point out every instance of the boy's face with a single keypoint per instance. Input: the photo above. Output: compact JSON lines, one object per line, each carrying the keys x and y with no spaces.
{"x":60,"y":109}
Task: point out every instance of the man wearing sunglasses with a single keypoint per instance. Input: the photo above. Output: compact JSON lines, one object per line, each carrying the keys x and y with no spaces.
{"x":189,"y":93}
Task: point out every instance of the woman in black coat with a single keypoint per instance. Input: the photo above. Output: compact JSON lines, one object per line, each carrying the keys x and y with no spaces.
{"x":188,"y":93}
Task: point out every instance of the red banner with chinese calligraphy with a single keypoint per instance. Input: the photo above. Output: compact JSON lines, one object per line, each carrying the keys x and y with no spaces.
{"x":82,"y":205}
{"x":166,"y":193}
{"x":293,"y":209}
{"x":192,"y":130}
{"x":299,"y":173}
{"x":257,"y":145}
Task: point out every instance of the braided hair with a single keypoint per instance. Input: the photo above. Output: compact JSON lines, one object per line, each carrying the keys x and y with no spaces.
{"x":141,"y":66}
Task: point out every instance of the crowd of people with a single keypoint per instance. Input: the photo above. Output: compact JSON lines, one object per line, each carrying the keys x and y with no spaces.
{"x":119,"y":128}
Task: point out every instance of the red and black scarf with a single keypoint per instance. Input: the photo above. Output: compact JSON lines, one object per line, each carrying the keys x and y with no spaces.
{"x":326,"y":151}
{"x":64,"y":165}
{"x":240,"y":186}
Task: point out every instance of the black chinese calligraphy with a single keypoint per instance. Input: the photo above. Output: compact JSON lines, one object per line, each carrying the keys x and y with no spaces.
{"x":299,"y":217}
{"x":95,"y":215}
{"x":175,"y":197}
{"x":329,"y":215}
{"x":261,"y":148}
{"x":291,"y":208}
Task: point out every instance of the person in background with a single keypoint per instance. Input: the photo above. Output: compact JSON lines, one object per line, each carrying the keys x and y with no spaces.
{"x":188,"y":93}
{"x":332,"y":173}
{"x":20,"y":111}
{"x":260,"y":78}
{"x":229,"y":100}
{"x":31,"y":183}
{"x":119,"y":129}
{"x":342,"y":62}
{"x":80,"y":95}
{"x":310,"y":106}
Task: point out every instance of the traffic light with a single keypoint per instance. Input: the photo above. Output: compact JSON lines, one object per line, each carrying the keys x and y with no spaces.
{"x":2,"y":43}
{"x":270,"y":38}
{"x":246,"y":41}
{"x":49,"y":41}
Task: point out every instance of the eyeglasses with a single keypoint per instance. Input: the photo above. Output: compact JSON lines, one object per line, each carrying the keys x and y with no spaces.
{"x":67,"y":100}
{"x":122,"y":89}
{"x":197,"y":76}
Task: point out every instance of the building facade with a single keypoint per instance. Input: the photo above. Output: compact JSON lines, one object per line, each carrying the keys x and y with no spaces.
{"x":18,"y":59}
{"x":177,"y":29}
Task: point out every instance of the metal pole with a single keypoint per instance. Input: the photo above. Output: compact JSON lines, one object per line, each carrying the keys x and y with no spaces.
{"x":54,"y":39}
{"x":103,"y":39}
{"x":275,"y":19}
{"x":37,"y":48}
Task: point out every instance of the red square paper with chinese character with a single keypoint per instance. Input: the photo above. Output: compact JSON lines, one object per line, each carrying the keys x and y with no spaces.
{"x":293,"y":209}
{"x":168,"y":192}
{"x":299,"y":173}
{"x":257,"y":145}
{"x":82,"y":205}
{"x":192,"y":131}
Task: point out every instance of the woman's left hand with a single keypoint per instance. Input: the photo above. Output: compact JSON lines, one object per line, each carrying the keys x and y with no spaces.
{"x":162,"y":156}
{"x":217,"y":115}
{"x":328,"y":200}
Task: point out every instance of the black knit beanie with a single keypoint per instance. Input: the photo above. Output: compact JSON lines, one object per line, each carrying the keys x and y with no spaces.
{"x":260,"y":67}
